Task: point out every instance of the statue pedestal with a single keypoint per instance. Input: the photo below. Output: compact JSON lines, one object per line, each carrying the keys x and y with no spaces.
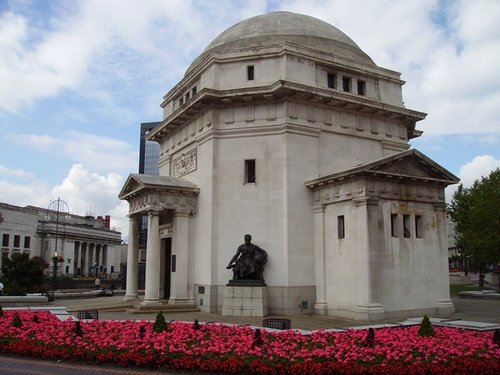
{"x":245,"y":301}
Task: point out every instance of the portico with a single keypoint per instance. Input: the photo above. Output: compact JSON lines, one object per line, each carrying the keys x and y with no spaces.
{"x":170,"y":206}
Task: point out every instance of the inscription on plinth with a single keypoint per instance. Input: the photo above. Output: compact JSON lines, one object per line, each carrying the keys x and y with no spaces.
{"x":245,"y":301}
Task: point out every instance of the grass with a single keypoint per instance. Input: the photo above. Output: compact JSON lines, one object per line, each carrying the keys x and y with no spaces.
{"x":456,"y":288}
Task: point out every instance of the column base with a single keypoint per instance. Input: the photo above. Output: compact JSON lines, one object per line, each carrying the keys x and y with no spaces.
{"x":320,"y":308}
{"x":372,"y":312}
{"x":131,"y":297}
{"x":445,"y":307}
{"x":151,"y":302}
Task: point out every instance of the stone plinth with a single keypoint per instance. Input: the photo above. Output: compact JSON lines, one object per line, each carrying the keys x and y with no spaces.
{"x":245,"y":301}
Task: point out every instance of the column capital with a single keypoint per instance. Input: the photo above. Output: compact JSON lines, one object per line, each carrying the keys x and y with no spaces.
{"x":153,"y":212}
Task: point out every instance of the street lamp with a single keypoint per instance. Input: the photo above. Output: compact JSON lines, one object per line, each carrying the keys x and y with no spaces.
{"x":58,"y":204}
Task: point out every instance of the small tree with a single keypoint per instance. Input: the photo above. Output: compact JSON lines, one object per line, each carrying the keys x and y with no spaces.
{"x":16,"y":321}
{"x":476,"y":214}
{"x":23,"y":275}
{"x":160,"y":324}
{"x":426,"y":329}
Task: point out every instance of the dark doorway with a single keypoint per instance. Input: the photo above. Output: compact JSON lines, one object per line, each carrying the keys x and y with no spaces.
{"x":167,"y":246}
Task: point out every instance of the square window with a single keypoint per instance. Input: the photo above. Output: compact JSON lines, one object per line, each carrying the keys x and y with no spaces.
{"x":361,"y":87}
{"x":331,"y":80}
{"x":406,"y":226}
{"x":250,"y":171}
{"x":250,"y":72}
{"x":394,"y":225}
{"x":341,"y":226}
{"x":346,"y":84}
{"x":419,"y":229}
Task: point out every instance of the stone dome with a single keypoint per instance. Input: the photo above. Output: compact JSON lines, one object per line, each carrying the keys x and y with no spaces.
{"x":276,"y":27}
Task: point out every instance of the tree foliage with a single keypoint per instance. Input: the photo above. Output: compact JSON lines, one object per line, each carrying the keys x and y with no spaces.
{"x":476,"y":214}
{"x":23,"y":275}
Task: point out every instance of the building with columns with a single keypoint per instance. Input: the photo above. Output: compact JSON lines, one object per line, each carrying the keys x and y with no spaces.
{"x":86,"y":245}
{"x":285,"y":129}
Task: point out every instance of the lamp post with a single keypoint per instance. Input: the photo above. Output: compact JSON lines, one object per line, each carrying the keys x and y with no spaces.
{"x":58,"y":204}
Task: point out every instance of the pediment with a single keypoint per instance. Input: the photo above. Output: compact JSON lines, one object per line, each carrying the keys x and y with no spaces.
{"x":139,"y":184}
{"x":406,"y":165}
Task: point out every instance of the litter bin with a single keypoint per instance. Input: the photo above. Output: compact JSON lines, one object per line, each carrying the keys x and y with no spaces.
{"x":50,"y":296}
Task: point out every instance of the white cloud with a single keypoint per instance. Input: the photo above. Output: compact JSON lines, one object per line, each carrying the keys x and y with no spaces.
{"x":19,"y":173}
{"x":480,"y":166}
{"x":96,"y":152}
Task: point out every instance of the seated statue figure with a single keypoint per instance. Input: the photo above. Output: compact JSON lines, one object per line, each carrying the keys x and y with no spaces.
{"x":248,"y":262}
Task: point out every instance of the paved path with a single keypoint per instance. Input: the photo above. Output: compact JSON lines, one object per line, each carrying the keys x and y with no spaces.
{"x":485,"y":311}
{"x":13,"y":365}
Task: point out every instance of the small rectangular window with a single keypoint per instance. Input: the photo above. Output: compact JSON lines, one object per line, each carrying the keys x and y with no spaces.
{"x":361,"y":87}
{"x":193,"y":91}
{"x":332,"y":78}
{"x":187,"y":97}
{"x":419,"y":226}
{"x":27,"y":242}
{"x":181,"y":101}
{"x":341,"y":226}
{"x":17,"y":241}
{"x":394,"y":225}
{"x":346,"y":84}
{"x":250,"y":171}
{"x":5,"y":240}
{"x":406,"y":226}
{"x":250,"y":72}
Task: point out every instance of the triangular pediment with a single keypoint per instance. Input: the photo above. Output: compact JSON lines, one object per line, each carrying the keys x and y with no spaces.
{"x":407,"y":165}
{"x":141,"y":183}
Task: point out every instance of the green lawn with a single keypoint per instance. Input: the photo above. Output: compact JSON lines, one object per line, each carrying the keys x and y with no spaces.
{"x":455,"y":288}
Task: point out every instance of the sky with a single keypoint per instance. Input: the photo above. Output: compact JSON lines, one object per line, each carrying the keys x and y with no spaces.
{"x":78,"y":77}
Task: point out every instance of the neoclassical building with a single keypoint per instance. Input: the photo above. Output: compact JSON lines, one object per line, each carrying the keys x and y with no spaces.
{"x":85,"y":245}
{"x":285,"y":129}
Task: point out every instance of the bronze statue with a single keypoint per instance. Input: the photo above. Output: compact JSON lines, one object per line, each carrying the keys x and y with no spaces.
{"x":248,"y":262}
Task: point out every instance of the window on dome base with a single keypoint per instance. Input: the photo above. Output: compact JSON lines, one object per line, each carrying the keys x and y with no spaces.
{"x":361,"y":88}
{"x":331,"y":80}
{"x":346,"y":84}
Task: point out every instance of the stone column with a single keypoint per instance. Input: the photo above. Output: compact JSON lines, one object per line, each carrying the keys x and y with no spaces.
{"x":85,"y":265}
{"x":366,"y":228}
{"x":179,"y":291}
{"x":78,"y":256}
{"x":445,"y":306}
{"x":320,"y":306}
{"x":152,"y":288}
{"x":132,"y":259}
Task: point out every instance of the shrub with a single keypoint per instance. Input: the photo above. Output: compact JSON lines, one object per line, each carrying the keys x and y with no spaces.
{"x":1,"y":311}
{"x":16,"y":321}
{"x":496,"y":337}
{"x":160,"y":324}
{"x":426,"y":329}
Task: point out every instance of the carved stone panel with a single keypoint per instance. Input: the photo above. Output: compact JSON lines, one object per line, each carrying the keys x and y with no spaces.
{"x":185,"y":163}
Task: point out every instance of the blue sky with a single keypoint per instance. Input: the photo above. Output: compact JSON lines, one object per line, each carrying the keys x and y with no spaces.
{"x":78,"y":77}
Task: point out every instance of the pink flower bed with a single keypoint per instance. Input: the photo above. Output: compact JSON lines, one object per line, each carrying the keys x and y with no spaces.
{"x":231,"y":349}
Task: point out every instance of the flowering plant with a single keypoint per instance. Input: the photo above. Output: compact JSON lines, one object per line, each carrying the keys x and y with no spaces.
{"x":240,"y":349}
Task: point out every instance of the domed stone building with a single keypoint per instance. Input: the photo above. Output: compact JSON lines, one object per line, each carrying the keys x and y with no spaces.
{"x":285,"y":129}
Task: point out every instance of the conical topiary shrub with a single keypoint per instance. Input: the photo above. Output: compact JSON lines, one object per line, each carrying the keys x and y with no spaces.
{"x":17,"y":322}
{"x":1,"y":311}
{"x":496,"y":337}
{"x":426,"y":329}
{"x":160,"y":324}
